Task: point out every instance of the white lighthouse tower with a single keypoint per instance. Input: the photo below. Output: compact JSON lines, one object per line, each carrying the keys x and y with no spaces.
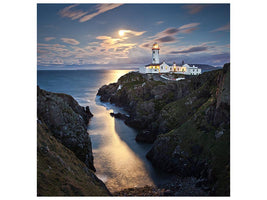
{"x":155,"y":53}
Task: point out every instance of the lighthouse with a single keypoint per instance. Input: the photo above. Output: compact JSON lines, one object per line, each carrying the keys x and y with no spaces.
{"x":160,"y":68}
{"x":155,"y":53}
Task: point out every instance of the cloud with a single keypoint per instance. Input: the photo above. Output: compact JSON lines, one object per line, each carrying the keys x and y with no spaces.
{"x":186,"y":28}
{"x":146,"y":45}
{"x":191,"y":25}
{"x":193,"y":49}
{"x":222,"y":28}
{"x":159,"y":22}
{"x":166,"y":39}
{"x":49,"y":38}
{"x":131,"y":33}
{"x":167,"y":35}
{"x":190,"y":50}
{"x":69,"y":12}
{"x":194,"y":8}
{"x":75,"y":14}
{"x":101,"y":8}
{"x":170,"y":31}
{"x":112,"y":44}
{"x":70,"y":41}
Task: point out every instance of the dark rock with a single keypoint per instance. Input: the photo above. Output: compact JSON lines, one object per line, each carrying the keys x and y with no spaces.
{"x":88,"y":112}
{"x":146,"y":136}
{"x":67,"y":120}
{"x":119,"y":116}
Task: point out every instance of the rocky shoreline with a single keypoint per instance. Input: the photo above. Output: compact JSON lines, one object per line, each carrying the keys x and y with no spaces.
{"x":189,"y":186}
{"x":187,"y":121}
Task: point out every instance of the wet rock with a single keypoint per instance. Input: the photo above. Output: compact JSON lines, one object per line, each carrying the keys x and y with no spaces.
{"x":119,"y":116}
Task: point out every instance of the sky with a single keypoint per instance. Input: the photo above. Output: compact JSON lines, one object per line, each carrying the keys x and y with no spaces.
{"x":84,"y":36}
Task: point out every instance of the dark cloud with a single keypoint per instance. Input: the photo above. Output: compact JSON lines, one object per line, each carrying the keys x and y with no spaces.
{"x":170,"y":31}
{"x":191,"y":50}
{"x":194,"y":8}
{"x":166,"y":39}
{"x":189,"y":30}
{"x":223,"y":28}
{"x":146,"y":45}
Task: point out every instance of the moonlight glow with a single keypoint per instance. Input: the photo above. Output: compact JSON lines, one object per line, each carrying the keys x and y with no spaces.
{"x":121,"y":32}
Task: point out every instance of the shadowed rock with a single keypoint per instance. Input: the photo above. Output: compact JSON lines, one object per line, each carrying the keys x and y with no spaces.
{"x":67,"y":121}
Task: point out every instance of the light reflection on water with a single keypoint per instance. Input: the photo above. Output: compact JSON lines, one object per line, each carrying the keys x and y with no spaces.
{"x":119,"y":160}
{"x":116,"y":163}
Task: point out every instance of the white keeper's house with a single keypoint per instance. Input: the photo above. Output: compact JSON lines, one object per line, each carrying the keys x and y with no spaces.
{"x":163,"y":67}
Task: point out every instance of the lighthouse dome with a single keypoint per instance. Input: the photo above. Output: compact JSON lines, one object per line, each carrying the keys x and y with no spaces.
{"x":155,"y":46}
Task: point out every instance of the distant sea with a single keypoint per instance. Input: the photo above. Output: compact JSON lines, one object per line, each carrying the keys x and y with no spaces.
{"x":119,"y":160}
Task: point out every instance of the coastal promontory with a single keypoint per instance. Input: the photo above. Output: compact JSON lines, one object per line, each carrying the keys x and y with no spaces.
{"x":188,"y":122}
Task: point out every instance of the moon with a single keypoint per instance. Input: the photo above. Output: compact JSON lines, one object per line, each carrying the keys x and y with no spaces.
{"x":121,"y":33}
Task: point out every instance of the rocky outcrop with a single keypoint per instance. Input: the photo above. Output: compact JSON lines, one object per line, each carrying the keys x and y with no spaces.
{"x":144,"y":96}
{"x":67,"y":121}
{"x":189,"y":121}
{"x":199,"y":145}
{"x":60,"y":172}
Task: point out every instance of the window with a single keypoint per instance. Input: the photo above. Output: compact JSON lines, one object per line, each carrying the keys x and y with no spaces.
{"x":153,"y":51}
{"x":161,"y":67}
{"x":153,"y":59}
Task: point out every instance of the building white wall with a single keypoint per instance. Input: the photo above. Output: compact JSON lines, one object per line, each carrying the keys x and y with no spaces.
{"x":142,"y":70}
{"x":165,"y":68}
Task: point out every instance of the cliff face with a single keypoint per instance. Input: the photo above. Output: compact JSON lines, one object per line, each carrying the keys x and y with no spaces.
{"x":188,"y":120}
{"x":68,"y":121}
{"x":64,"y":152}
{"x":60,"y":172}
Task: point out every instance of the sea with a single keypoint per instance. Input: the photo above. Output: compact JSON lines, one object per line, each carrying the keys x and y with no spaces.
{"x":119,"y":160}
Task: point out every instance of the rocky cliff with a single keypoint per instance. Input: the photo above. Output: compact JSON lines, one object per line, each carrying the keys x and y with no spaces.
{"x":60,"y":172}
{"x":188,"y":120}
{"x":68,"y":121}
{"x":64,"y":151}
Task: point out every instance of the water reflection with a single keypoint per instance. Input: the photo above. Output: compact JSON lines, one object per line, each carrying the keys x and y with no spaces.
{"x":119,"y":160}
{"x":117,"y":164}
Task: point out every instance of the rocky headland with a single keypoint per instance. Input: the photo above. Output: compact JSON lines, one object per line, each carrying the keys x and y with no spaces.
{"x":188,"y":122}
{"x":64,"y":152}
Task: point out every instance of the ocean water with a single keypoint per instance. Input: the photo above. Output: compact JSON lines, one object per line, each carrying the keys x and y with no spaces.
{"x":119,"y":160}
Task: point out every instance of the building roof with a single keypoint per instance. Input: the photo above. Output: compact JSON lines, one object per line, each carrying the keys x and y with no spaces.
{"x":158,"y":64}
